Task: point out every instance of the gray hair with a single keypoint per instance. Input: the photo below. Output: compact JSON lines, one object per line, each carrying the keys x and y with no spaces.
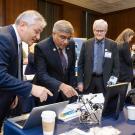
{"x":100,"y":22}
{"x":63,"y":26}
{"x":30,"y":16}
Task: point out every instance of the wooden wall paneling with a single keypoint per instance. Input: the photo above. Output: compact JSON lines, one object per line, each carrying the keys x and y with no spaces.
{"x":52,"y":12}
{"x":74,"y":15}
{"x":89,"y":20}
{"x":2,"y":12}
{"x":70,"y":13}
{"x":15,"y":7}
{"x":119,"y":20}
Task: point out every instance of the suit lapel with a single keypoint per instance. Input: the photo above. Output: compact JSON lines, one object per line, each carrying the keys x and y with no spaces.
{"x":15,"y":44}
{"x":90,"y":49}
{"x":55,"y":56}
{"x":106,"y":48}
{"x":12,"y":32}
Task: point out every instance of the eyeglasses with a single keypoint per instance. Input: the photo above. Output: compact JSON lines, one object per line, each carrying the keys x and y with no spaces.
{"x":99,"y":31}
{"x":64,"y":38}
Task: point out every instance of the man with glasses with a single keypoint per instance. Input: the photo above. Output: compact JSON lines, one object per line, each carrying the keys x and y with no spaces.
{"x":99,"y":62}
{"x":55,"y":62}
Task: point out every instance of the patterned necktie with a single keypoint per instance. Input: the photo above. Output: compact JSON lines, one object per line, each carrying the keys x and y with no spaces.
{"x":20,"y":62}
{"x":63,"y":60}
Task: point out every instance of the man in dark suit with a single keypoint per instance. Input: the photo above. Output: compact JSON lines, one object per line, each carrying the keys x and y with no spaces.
{"x":55,"y":62}
{"x":99,"y":62}
{"x":27,"y":28}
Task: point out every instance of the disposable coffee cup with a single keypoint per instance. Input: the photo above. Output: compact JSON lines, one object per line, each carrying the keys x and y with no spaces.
{"x":48,"y":122}
{"x":131,"y":112}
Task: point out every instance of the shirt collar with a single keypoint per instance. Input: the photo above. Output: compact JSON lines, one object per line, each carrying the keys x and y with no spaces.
{"x":63,"y":50}
{"x":17,"y":34}
{"x":100,"y":41}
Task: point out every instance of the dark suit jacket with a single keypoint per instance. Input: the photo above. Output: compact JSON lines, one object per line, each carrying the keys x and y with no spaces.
{"x":85,"y":64}
{"x":30,"y":68}
{"x":10,"y":86}
{"x":9,"y":65}
{"x":49,"y":68}
{"x":126,"y":66}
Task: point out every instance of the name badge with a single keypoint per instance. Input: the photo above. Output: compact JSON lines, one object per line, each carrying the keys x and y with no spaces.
{"x":108,"y":55}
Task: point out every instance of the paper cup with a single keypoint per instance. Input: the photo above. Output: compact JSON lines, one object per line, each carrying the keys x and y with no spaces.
{"x":48,"y":122}
{"x":131,"y":112}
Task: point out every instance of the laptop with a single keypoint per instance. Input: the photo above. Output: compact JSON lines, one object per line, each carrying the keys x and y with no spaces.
{"x":33,"y":119}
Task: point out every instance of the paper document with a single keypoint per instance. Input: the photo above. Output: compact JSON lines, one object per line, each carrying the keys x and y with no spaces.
{"x":74,"y":131}
{"x":29,"y":77}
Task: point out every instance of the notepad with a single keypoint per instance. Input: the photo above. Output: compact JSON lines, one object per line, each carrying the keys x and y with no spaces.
{"x":74,"y":131}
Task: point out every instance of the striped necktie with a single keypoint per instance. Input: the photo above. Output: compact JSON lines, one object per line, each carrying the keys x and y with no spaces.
{"x":63,"y":60}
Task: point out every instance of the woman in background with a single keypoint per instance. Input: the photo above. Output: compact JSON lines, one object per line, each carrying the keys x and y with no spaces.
{"x":126,"y":67}
{"x":133,"y":53}
{"x":133,"y":61}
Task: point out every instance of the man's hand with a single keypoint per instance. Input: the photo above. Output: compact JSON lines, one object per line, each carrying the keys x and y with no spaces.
{"x":40,"y":92}
{"x":112,"y":80}
{"x":68,"y":90}
{"x":80,"y":87}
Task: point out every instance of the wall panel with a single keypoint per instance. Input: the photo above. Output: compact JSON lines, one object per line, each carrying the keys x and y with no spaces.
{"x":52,"y":13}
{"x":74,"y":15}
{"x":2,"y":12}
{"x":120,"y":20}
{"x":15,"y":7}
{"x":9,"y":10}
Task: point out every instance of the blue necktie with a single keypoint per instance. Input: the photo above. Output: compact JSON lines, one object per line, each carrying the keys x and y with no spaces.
{"x":63,"y":60}
{"x":99,"y":53}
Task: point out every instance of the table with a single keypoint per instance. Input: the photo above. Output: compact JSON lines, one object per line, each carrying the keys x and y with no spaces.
{"x":123,"y":124}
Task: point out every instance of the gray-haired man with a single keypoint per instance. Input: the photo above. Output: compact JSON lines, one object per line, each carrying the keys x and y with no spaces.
{"x":27,"y":28}
{"x":55,"y":61}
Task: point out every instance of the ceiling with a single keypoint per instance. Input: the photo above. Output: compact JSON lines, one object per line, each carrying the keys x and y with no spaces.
{"x":103,"y":6}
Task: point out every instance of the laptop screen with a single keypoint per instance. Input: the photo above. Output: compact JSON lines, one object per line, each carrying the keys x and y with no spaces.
{"x":34,"y":118}
{"x":115,"y":99}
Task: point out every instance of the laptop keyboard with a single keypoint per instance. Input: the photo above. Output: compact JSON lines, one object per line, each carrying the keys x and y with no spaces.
{"x":21,"y":122}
